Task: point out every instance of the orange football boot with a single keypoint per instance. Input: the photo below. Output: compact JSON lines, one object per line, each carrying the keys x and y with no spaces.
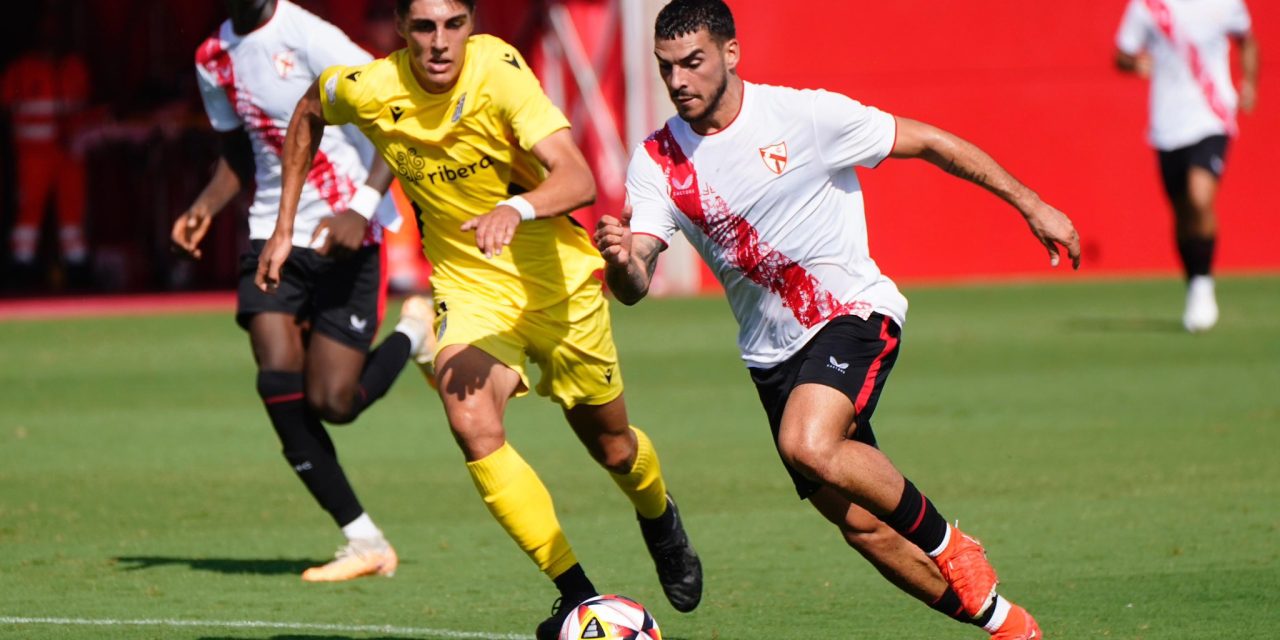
{"x":964,"y":565}
{"x":356,"y":559}
{"x":1018,"y":625}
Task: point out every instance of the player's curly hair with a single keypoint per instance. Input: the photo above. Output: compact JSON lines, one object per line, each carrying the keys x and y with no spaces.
{"x":402,"y":6}
{"x":682,"y":17}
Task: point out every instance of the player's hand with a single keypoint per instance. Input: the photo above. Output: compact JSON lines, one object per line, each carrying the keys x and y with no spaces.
{"x":1053,"y":229}
{"x":613,"y":237}
{"x":1142,"y":65}
{"x":494,"y":230}
{"x":189,"y":230}
{"x":340,"y":235}
{"x":274,"y":254}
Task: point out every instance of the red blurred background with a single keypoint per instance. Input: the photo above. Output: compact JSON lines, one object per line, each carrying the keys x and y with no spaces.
{"x":1030,"y":82}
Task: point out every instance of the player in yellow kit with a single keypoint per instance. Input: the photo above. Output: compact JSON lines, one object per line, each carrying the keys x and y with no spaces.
{"x":493,"y":171}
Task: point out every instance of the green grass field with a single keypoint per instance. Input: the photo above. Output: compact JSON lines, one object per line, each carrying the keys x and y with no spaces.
{"x":1124,"y":475}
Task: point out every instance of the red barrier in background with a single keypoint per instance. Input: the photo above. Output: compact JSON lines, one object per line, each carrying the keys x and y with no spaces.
{"x":1033,"y":84}
{"x":1030,"y":82}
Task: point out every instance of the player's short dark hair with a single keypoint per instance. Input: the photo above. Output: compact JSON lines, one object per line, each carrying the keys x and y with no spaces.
{"x":681,"y":17}
{"x":402,"y":6}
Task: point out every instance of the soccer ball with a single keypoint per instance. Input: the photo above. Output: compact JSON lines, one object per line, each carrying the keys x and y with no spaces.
{"x":610,"y":618}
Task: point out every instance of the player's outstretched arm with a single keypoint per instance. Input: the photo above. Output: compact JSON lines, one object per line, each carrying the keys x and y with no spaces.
{"x":1249,"y":63}
{"x":301,"y":142}
{"x":965,"y":160}
{"x":629,"y":261}
{"x":233,"y":171}
{"x":569,"y":186}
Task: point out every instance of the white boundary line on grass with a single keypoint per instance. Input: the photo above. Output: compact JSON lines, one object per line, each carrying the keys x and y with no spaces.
{"x":260,"y":624}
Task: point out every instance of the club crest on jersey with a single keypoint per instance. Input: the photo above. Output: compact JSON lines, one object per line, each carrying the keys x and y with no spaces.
{"x":285,"y":61}
{"x":457,"y":111}
{"x":775,"y":157}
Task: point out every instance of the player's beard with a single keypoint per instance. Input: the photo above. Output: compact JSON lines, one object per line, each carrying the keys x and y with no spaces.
{"x":712,"y":104}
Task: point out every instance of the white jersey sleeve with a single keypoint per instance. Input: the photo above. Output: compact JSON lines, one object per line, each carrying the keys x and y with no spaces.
{"x":1132,"y":36}
{"x":222,"y":114}
{"x":1238,"y":21}
{"x":652,"y":212}
{"x":328,"y":46}
{"x":850,"y":133}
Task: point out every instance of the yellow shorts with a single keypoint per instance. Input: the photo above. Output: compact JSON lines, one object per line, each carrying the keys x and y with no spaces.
{"x":571,"y":342}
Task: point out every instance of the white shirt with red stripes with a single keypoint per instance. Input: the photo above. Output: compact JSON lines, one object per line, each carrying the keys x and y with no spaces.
{"x":1192,"y":96}
{"x":773,"y":205}
{"x":254,"y":81}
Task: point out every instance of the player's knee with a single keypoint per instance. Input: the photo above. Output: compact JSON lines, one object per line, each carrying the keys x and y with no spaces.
{"x":333,"y":406}
{"x":809,"y":455}
{"x":617,"y":455}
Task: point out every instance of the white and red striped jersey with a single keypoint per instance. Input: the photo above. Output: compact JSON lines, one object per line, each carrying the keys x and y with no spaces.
{"x":255,"y":81}
{"x":773,"y":205}
{"x":1192,"y":96}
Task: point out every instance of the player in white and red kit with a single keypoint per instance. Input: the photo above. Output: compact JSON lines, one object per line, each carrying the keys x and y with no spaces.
{"x":761,"y":181}
{"x":1184,"y":46}
{"x":311,"y":336}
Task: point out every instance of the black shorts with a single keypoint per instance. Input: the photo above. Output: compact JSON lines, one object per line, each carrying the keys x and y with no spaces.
{"x":1209,"y":154}
{"x":851,"y":355}
{"x":341,"y":298}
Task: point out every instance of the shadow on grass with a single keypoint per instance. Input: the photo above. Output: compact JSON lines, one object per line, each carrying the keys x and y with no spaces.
{"x":276,"y":566}
{"x":294,"y":636}
{"x":1125,"y":325}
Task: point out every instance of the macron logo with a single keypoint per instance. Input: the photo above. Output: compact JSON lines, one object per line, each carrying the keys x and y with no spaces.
{"x":358,"y":323}
{"x":832,"y":363}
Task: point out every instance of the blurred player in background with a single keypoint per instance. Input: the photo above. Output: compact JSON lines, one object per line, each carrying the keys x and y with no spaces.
{"x":311,"y":335}
{"x":493,"y":172}
{"x":1183,"y":46}
{"x":44,"y":90}
{"x":761,"y":180}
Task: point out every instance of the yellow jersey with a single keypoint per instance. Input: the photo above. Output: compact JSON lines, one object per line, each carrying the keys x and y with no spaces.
{"x":457,"y":154}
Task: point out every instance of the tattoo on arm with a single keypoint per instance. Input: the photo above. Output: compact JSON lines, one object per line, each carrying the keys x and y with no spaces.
{"x":630,"y":283}
{"x":972,"y":175}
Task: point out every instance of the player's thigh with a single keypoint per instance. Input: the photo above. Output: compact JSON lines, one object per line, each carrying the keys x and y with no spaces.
{"x":474,"y":387}
{"x":469,"y":321}
{"x":333,"y":369}
{"x":1202,"y":189}
{"x":815,"y":417}
{"x":841,"y":375}
{"x":347,"y":294}
{"x":273,"y":320}
{"x":276,"y":339}
{"x":573,"y":345}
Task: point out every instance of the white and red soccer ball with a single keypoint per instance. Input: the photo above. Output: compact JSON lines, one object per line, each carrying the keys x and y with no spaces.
{"x":610,"y":617}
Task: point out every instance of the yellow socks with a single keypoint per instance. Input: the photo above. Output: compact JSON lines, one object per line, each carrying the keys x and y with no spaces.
{"x":522,"y":505}
{"x":644,"y":484}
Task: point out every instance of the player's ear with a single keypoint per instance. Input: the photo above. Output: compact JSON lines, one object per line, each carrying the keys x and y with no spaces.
{"x":402,"y":26}
{"x":731,"y":53}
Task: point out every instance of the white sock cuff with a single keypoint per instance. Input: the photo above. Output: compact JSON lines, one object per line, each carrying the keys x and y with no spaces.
{"x":414,"y":331}
{"x":362,"y":528}
{"x":946,"y":539}
{"x":1001,"y":614}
